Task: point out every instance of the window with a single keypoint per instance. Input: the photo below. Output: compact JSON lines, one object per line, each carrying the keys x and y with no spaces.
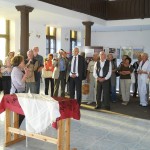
{"x":73,"y":40}
{"x":50,"y":40}
{"x":4,"y":38}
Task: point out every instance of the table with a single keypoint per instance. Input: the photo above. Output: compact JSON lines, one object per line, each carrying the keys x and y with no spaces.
{"x":68,"y":108}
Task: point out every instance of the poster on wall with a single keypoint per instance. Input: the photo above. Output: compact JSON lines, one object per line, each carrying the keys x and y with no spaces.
{"x":113,"y":52}
{"x":127,"y":51}
{"x":137,"y":51}
{"x":89,"y":53}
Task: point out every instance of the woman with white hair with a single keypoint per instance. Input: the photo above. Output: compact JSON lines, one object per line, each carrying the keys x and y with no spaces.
{"x":143,"y":84}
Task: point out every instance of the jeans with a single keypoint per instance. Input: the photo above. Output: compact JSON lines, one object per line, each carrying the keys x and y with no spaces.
{"x":113,"y":93}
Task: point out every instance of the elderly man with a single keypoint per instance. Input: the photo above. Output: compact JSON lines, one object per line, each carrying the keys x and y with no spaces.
{"x":91,"y":79}
{"x":143,"y":84}
{"x":59,"y":73}
{"x":102,"y":73}
{"x":135,"y":66}
{"x":76,"y":75}
{"x":39,"y":58}
{"x":32,"y":65}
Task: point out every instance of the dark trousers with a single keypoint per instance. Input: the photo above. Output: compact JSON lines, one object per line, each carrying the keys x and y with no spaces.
{"x":75,"y":84}
{"x":6,"y":82}
{"x":38,"y":80}
{"x":103,"y":87}
{"x":135,"y":85}
{"x":62,"y":79}
{"x":47,"y":81}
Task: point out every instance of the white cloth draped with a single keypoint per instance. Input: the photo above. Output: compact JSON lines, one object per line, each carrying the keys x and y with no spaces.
{"x":40,"y":111}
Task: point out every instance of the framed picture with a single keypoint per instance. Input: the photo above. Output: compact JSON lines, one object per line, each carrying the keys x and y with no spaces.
{"x":137,"y":51}
{"x":127,"y":51}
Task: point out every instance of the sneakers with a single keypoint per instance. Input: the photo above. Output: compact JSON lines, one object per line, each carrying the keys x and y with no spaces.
{"x":124,"y":103}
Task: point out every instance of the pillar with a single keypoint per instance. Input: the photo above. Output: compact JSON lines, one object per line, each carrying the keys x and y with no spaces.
{"x":87,"y":25}
{"x":24,"y":36}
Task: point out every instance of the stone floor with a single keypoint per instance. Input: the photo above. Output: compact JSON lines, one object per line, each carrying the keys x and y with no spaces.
{"x":95,"y":131}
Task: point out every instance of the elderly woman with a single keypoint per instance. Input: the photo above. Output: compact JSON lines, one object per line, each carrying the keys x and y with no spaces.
{"x":6,"y":76}
{"x":143,"y":84}
{"x":18,"y":77}
{"x":113,"y":77}
{"x":125,"y":71}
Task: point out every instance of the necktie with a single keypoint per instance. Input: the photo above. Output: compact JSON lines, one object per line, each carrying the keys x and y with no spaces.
{"x":74,"y":65}
{"x":142,"y":64}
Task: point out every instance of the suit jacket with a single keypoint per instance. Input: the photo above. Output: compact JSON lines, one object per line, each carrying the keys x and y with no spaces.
{"x":81,"y":67}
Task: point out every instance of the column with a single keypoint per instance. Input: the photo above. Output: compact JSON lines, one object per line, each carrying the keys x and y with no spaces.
{"x":88,"y":25}
{"x":24,"y":37}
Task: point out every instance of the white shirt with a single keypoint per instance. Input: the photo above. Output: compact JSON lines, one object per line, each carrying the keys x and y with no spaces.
{"x":102,"y":63}
{"x":72,"y":65}
{"x":146,"y":68}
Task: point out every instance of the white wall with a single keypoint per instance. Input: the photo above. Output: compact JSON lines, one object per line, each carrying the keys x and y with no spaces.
{"x":123,"y":38}
{"x":62,"y":34}
{"x":34,"y":30}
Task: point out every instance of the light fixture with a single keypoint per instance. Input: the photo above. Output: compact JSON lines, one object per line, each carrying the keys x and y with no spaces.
{"x":38,"y":36}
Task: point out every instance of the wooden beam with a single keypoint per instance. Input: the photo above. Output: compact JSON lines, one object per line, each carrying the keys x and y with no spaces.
{"x":7,"y":124}
{"x":15,"y":141}
{"x":59,"y":136}
{"x":67,"y":134}
{"x":16,"y":124}
{"x":33,"y":135}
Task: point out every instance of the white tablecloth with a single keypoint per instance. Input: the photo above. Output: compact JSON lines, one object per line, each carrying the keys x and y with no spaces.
{"x":40,"y":111}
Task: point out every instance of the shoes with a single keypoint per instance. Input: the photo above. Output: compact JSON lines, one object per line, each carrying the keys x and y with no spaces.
{"x":124,"y":103}
{"x":89,"y":103}
{"x":97,"y":107}
{"x":143,"y":105}
{"x":107,"y":108}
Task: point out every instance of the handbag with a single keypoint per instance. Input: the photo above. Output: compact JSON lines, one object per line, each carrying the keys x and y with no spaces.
{"x":46,"y":74}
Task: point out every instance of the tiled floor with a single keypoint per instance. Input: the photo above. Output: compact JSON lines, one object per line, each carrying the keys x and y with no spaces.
{"x":96,"y":131}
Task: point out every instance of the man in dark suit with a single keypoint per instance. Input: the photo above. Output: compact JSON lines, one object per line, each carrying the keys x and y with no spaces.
{"x":76,"y":75}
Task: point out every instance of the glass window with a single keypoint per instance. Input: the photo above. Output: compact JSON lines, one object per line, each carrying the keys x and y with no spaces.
{"x":2,"y":49}
{"x":50,"y":40}
{"x":73,"y":40}
{"x":3,"y":26}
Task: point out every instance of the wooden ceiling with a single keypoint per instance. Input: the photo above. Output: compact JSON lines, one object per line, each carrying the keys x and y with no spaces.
{"x":107,"y":10}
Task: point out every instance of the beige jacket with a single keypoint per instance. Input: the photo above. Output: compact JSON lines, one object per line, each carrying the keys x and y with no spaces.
{"x":57,"y":68}
{"x":31,"y":68}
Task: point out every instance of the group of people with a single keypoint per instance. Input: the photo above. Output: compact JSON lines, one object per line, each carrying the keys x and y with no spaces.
{"x":66,"y":72}
{"x":19,"y":75}
{"x":105,"y":71}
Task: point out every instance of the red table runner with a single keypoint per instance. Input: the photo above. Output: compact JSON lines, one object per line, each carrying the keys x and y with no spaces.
{"x":68,"y":108}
